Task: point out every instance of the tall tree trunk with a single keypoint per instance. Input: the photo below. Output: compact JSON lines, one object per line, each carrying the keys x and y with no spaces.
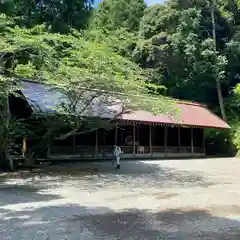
{"x":218,"y":80}
{"x":3,"y":160}
{"x":6,"y":161}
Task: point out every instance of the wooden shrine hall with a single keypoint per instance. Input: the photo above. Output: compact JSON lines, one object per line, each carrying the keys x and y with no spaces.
{"x":139,"y":133}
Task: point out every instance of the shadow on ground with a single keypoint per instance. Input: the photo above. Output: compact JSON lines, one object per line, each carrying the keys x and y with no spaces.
{"x":26,"y":186}
{"x":74,"y":222}
{"x":14,"y":194}
{"x":133,"y":174}
{"x":150,"y":175}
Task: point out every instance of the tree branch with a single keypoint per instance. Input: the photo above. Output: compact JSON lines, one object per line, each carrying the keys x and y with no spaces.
{"x":76,"y":132}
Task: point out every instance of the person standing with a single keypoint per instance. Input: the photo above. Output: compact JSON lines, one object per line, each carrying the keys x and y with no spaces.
{"x":117,"y":151}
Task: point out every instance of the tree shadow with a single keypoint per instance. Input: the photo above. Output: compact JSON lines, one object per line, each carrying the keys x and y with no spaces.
{"x":89,"y":223}
{"x":76,"y":222}
{"x":97,"y":176}
{"x":133,"y":173}
{"x":27,"y":193}
{"x":150,"y":175}
{"x":169,"y":224}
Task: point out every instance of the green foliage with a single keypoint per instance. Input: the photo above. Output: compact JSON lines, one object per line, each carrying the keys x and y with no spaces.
{"x":60,"y":16}
{"x":115,"y":23}
{"x":8,"y":124}
{"x":135,"y":52}
{"x":158,"y":18}
{"x":176,"y":41}
{"x":114,"y":14}
{"x":174,"y":45}
{"x":74,"y":61}
{"x":236,"y":135}
{"x":220,"y":142}
{"x":75,"y":64}
{"x":120,"y":41}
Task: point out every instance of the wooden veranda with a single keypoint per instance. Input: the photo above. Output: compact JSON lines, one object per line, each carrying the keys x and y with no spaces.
{"x":137,"y":140}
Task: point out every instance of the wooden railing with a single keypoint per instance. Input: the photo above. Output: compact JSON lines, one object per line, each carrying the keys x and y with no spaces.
{"x":106,"y":151}
{"x":185,"y":149}
{"x":127,"y":149}
{"x":198,"y":150}
{"x":85,"y":151}
{"x":63,"y":150}
{"x":172,"y":149}
{"x":158,"y":149}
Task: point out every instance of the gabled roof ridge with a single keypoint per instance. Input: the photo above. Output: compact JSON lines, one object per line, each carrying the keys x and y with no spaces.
{"x":193,"y":103}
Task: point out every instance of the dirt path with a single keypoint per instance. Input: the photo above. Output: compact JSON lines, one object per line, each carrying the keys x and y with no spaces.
{"x":184,"y":199}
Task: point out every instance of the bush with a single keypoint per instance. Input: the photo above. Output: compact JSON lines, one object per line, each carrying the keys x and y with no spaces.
{"x":221,"y":142}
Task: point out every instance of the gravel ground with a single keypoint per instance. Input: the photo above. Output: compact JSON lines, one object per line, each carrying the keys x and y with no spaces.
{"x":172,"y":199}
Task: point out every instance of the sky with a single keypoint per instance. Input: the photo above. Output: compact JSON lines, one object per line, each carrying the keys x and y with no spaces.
{"x":149,"y":2}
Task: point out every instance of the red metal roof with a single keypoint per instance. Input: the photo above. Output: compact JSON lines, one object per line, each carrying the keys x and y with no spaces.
{"x":188,"y":114}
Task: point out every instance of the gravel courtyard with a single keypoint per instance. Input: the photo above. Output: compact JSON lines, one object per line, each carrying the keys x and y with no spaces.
{"x":172,"y":199}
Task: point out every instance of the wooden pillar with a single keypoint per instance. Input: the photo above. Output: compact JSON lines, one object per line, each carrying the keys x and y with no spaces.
{"x":74,"y":144}
{"x":104,"y":137}
{"x":49,"y":150}
{"x":150,"y":139}
{"x":96,"y":143}
{"x":192,"y":144}
{"x":25,"y":148}
{"x":165,"y":138}
{"x":204,"y":142}
{"x":134,"y":137}
{"x":179,"y":139}
{"x":116,"y":135}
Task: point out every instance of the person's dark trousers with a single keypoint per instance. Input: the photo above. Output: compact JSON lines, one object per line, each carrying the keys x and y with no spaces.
{"x":114,"y":160}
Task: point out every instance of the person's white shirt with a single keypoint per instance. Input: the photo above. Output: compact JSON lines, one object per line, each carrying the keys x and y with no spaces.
{"x":117,"y":151}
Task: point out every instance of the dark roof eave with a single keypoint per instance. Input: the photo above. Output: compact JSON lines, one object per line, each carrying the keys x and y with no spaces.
{"x":144,"y":122}
{"x":175,"y":124}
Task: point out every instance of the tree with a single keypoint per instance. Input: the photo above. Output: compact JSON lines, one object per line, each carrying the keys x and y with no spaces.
{"x":120,"y":41}
{"x":60,"y":16}
{"x":176,"y":41}
{"x":219,"y":73}
{"x":71,"y":65}
{"x":115,"y":14}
